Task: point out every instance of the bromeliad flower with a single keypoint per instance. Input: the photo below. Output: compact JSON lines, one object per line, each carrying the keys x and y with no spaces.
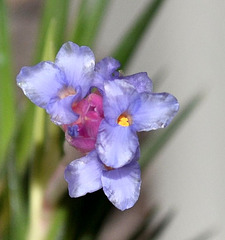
{"x":55,"y":86}
{"x":101,"y":112}
{"x":106,"y":69}
{"x":121,"y":185}
{"x":83,"y":132}
{"x":129,"y":109}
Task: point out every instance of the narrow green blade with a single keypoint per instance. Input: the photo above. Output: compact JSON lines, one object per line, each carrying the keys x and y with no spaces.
{"x":54,"y":10}
{"x":206,"y":235}
{"x":17,"y":210}
{"x":7,"y":103}
{"x":131,"y":39}
{"x":149,"y":151}
{"x":24,"y":143}
{"x":160,"y":227}
{"x":52,"y":28}
{"x":4,"y":213}
{"x":45,"y":149}
{"x":144,"y":225}
{"x":88,"y":21}
{"x":57,"y":229}
{"x":24,"y":138}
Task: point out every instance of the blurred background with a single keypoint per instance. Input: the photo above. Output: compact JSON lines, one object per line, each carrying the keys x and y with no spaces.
{"x":185,"y":50}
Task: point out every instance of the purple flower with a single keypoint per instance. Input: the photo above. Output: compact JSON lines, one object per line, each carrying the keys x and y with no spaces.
{"x":140,"y":81}
{"x":129,"y":109}
{"x":102,"y":122}
{"x":89,"y":174}
{"x":56,"y":86}
{"x":106,"y":69}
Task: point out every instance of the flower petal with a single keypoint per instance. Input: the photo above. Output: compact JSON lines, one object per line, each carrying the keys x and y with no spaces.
{"x":122,"y":185}
{"x":61,"y":110}
{"x":117,"y":99}
{"x":77,"y":64}
{"x":37,"y":82}
{"x":116,"y":145}
{"x":155,"y":111}
{"x":107,"y":67}
{"x":106,"y":70}
{"x":84,"y":175}
{"x":140,"y":81}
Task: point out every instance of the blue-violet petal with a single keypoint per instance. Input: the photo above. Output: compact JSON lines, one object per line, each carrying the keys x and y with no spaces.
{"x":122,"y":185}
{"x":117,"y":99}
{"x":84,"y":175}
{"x":106,"y":69}
{"x":116,"y":145}
{"x":140,"y":81}
{"x":61,"y":111}
{"x":156,"y":111}
{"x":41,"y":83}
{"x":78,"y":65}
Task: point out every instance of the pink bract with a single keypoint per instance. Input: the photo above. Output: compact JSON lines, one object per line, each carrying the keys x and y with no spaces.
{"x":82,"y":133}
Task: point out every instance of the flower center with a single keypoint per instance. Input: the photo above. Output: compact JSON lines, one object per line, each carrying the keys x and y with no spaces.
{"x":108,"y":168}
{"x":65,"y":92}
{"x":123,"y":120}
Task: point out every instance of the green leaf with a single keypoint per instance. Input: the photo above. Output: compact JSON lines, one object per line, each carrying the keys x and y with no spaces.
{"x":49,"y":50}
{"x":46,"y":152}
{"x":125,"y":49}
{"x":144,"y":225}
{"x":160,"y":227}
{"x":17,"y":210}
{"x":4,"y":214}
{"x":143,"y":232}
{"x":7,"y":101}
{"x":54,"y":11}
{"x":205,"y":235}
{"x":25,"y":139}
{"x":57,"y":228}
{"x":153,"y":145}
{"x":88,"y":21}
{"x":24,"y":143}
{"x":36,"y":189}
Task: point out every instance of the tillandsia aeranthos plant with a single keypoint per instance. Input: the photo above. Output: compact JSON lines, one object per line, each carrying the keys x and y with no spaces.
{"x":101,"y":122}
{"x":95,"y":108}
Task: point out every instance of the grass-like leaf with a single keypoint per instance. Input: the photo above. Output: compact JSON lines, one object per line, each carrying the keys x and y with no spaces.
{"x":57,"y":228}
{"x":88,"y":21}
{"x":57,"y":11}
{"x":149,"y":151}
{"x":24,"y":137}
{"x":205,"y":235}
{"x":4,"y":214}
{"x":7,"y":103}
{"x":43,"y":138}
{"x":142,"y":232}
{"x":125,"y":49}
{"x":144,"y":225}
{"x":160,"y":227}
{"x":17,"y":210}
